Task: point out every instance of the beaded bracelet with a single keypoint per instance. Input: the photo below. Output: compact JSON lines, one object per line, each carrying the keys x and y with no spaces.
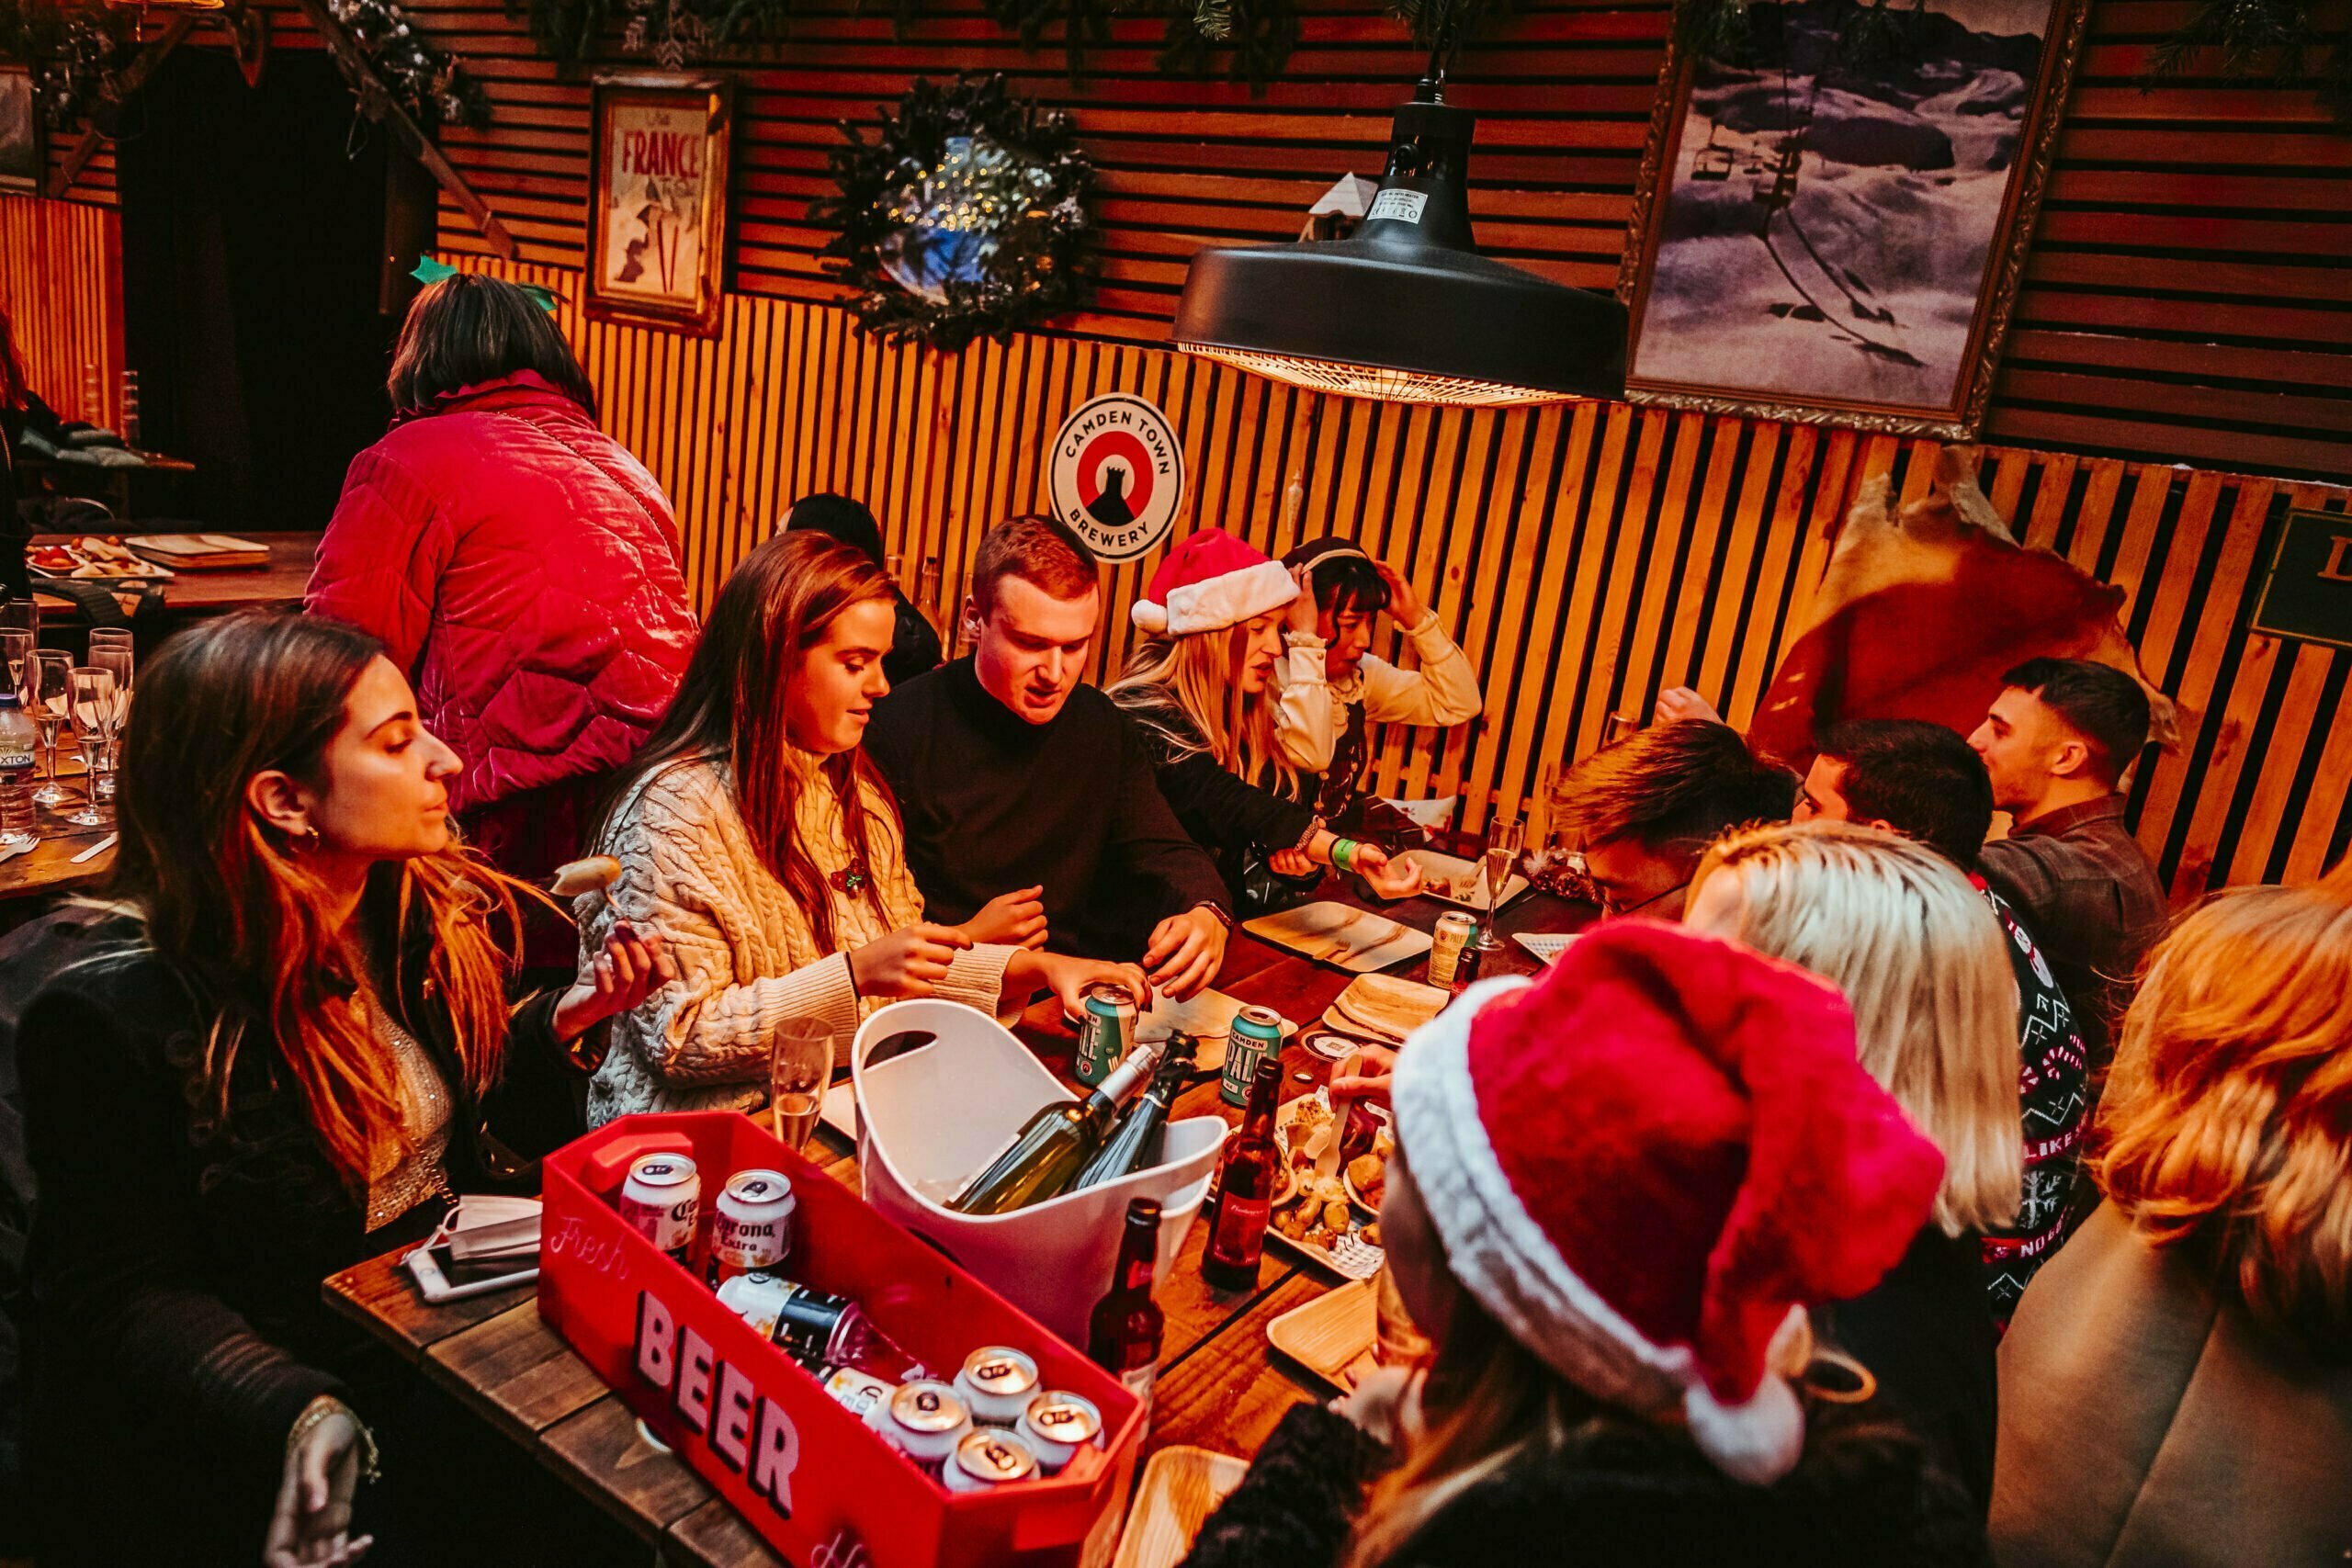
{"x":318,"y":1410}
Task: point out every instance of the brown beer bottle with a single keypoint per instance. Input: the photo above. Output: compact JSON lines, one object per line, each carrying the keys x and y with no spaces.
{"x":1122,"y":1336}
{"x":1248,"y":1177}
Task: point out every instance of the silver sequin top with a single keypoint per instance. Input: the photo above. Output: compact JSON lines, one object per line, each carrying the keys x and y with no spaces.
{"x":406,"y":1169}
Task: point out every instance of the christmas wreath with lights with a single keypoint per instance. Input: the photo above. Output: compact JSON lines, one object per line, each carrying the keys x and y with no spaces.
{"x":967,"y":215}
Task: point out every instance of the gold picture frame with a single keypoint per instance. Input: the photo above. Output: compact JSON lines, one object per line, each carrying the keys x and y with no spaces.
{"x":24,"y":146}
{"x":1884,"y":335}
{"x":656,"y":201}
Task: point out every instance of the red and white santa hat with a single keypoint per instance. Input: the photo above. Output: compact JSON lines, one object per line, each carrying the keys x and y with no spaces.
{"x":1208,"y":582}
{"x":1649,"y":1163}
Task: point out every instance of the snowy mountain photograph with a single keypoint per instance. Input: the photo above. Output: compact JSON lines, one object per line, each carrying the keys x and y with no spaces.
{"x":1833,"y":223}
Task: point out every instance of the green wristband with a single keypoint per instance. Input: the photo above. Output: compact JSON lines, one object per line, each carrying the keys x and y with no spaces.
{"x":1343,"y":853}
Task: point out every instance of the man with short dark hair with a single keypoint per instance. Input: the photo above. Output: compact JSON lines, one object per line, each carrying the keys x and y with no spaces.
{"x":1924,"y":782}
{"x":2056,"y":744}
{"x":1643,"y":810}
{"x":1010,"y":774}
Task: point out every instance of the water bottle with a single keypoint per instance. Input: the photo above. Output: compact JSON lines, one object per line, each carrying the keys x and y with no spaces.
{"x":20,"y":745}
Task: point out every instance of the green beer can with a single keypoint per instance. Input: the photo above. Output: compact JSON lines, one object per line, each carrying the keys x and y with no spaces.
{"x":1105,"y":1034}
{"x":1257,"y":1036}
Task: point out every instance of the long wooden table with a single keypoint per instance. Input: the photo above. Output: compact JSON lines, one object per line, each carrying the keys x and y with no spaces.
{"x":1221,"y":1385}
{"x":278,"y":585}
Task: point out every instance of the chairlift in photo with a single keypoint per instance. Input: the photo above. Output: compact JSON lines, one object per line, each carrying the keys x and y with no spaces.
{"x":1776,"y":184}
{"x":1714,"y":161}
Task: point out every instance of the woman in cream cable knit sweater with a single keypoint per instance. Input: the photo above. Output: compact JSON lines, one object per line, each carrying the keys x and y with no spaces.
{"x":755,"y":837}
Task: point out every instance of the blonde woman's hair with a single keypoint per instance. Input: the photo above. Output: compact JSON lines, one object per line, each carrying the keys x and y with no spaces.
{"x":1924,"y":967}
{"x":1195,"y":674}
{"x":2227,"y":1123}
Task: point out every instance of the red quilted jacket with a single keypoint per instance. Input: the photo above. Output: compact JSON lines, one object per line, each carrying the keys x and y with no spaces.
{"x":522,"y":569}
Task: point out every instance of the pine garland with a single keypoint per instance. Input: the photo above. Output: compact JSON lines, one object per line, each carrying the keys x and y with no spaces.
{"x":426,"y":80}
{"x":673,"y":32}
{"x":76,"y":47}
{"x":1045,"y":263}
{"x":2272,"y":38}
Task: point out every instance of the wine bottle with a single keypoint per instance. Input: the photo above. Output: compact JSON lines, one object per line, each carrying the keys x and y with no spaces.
{"x":1247,"y":1174}
{"x":1140,"y":1135}
{"x":1122,"y":1336}
{"x":1053,"y":1144}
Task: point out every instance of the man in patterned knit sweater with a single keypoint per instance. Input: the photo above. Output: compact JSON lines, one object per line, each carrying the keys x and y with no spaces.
{"x":1922,"y":781}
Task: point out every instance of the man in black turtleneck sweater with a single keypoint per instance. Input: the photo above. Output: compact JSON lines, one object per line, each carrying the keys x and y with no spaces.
{"x":1010,"y":774}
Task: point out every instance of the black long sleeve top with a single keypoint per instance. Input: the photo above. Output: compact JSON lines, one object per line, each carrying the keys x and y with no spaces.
{"x":176,"y":1326}
{"x":992,"y":803}
{"x":1235,"y":820}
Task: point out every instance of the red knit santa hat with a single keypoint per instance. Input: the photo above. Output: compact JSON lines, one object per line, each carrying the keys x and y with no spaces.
{"x":1210,"y":582}
{"x":1649,"y":1162}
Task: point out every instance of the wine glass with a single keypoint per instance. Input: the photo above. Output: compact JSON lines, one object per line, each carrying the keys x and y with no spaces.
{"x":800,"y":1067}
{"x":1505,"y":839}
{"x":90,"y":703}
{"x":116,"y":662}
{"x":47,"y":695}
{"x":21,"y":615}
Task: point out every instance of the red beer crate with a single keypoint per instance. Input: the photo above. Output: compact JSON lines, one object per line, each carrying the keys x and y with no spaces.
{"x":809,"y":1475}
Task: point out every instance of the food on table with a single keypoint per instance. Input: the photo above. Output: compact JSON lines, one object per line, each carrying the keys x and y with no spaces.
{"x":593,"y":875}
{"x":1370,"y":1175}
{"x":90,"y":557}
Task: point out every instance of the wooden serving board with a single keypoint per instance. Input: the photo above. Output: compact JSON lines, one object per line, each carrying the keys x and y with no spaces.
{"x":1180,"y":1488}
{"x":1331,"y":1336}
{"x":1345,"y":937}
{"x":199,"y":552}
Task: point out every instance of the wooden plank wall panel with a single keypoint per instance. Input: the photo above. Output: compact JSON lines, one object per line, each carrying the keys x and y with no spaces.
{"x":61,"y":287}
{"x":1586,"y":556}
{"x":2189,"y":295}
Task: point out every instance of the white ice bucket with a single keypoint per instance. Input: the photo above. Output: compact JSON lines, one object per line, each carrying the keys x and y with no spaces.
{"x":930,"y":1116}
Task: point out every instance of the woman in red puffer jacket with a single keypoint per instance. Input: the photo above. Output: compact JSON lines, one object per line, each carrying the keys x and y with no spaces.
{"x":518,"y":564}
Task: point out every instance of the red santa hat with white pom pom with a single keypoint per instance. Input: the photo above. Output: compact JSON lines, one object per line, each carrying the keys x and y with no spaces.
{"x":1210,"y":582}
{"x":1647,"y":1164}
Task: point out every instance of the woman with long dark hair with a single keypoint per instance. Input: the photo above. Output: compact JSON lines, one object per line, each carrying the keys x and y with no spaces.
{"x":286,"y":1057}
{"x":756,"y":836}
{"x":914,"y":646}
{"x":518,"y":565}
{"x":20,"y":408}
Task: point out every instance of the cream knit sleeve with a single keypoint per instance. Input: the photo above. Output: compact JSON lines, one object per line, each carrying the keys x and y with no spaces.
{"x":976,"y":975}
{"x":711,"y":1026}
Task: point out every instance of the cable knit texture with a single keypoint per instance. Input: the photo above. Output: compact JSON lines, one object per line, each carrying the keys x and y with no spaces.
{"x":747,"y":954}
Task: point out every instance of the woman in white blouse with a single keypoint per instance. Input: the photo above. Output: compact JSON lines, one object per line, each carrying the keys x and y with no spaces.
{"x":1323,"y":721}
{"x":755,"y":837}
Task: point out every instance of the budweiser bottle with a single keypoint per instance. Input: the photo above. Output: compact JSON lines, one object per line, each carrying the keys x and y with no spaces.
{"x":1247,"y":1176}
{"x":1122,"y":1336}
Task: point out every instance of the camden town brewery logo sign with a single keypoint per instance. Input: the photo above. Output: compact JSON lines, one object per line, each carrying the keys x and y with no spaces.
{"x":1118,"y":475}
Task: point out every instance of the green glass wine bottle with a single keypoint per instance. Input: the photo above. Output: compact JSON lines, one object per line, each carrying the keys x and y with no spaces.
{"x":1139,"y":1136}
{"x":1052,"y":1145}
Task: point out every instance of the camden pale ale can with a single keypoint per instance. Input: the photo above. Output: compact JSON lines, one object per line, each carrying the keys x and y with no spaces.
{"x":1105,"y":1034}
{"x":1257,"y":1036}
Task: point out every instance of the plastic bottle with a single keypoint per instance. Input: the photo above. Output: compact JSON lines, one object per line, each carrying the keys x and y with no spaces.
{"x":19,"y":749}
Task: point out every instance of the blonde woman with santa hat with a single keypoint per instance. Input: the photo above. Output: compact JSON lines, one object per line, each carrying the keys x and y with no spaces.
{"x":1924,"y":963}
{"x":1618,"y":1301}
{"x":1199,"y":685}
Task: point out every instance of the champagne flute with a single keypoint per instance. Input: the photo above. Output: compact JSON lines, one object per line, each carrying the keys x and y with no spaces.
{"x":21,"y":615}
{"x":47,"y":695}
{"x":16,"y":653}
{"x":1504,"y":840}
{"x":116,"y":662}
{"x":800,"y":1067}
{"x":90,"y":703}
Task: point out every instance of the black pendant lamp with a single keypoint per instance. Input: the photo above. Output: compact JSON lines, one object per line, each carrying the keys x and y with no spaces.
{"x":1406,"y":308}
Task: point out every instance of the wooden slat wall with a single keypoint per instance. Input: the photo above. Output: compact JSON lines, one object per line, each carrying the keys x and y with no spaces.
{"x":61,"y":287}
{"x":1585,"y":555}
{"x":2188,"y":296}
